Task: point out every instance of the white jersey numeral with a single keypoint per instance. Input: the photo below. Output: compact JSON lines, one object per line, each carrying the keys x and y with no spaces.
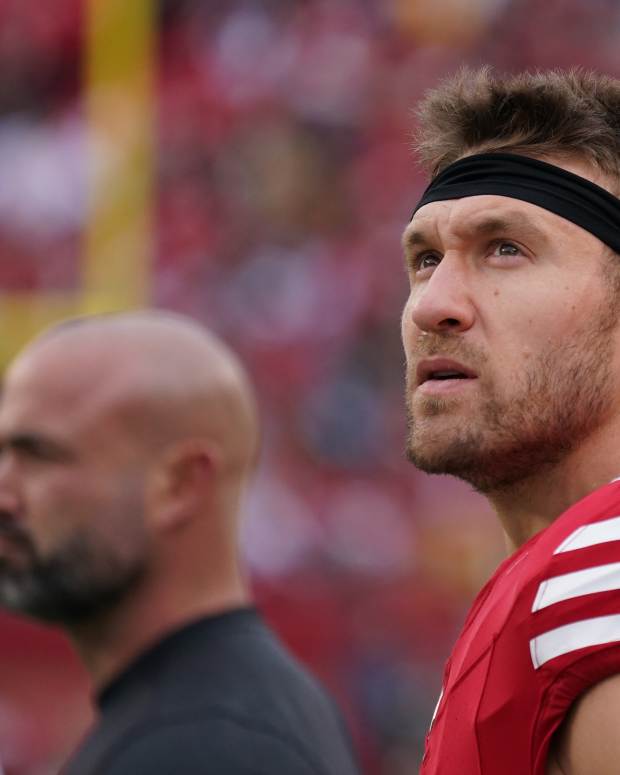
{"x":437,"y":707}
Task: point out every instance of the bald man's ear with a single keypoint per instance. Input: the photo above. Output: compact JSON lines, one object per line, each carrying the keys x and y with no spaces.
{"x":182,"y":483}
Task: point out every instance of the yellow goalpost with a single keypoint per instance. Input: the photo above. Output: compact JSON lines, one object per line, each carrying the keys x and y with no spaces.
{"x":119,"y":83}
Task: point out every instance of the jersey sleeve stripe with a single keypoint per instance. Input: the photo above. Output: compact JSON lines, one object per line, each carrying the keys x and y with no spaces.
{"x":602,"y":578}
{"x":571,"y":637}
{"x":589,"y":535}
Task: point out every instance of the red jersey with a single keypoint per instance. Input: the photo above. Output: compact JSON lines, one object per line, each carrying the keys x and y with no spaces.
{"x":544,"y":629}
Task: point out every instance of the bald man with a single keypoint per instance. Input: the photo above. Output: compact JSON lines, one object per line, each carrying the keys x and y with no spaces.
{"x":126,"y":442}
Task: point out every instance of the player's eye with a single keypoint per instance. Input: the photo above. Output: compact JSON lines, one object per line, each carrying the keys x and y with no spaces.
{"x":424,"y":261}
{"x":506,"y":249}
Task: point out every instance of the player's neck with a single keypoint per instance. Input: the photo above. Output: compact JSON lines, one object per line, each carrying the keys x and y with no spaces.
{"x":534,"y":503}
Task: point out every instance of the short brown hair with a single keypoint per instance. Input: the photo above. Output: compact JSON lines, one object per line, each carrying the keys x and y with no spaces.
{"x":556,"y":113}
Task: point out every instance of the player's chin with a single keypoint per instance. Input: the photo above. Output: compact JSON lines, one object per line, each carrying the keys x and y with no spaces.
{"x":426,"y":450}
{"x":423,"y":408}
{"x":431,"y":462}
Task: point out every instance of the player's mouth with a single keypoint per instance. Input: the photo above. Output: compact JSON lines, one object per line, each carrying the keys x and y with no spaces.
{"x":438,"y":376}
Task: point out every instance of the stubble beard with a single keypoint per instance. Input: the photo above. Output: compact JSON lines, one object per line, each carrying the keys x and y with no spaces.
{"x":562,"y":399}
{"x":76,"y":583}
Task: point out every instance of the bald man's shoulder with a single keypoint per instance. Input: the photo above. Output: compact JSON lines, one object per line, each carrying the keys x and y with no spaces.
{"x":220,"y":696}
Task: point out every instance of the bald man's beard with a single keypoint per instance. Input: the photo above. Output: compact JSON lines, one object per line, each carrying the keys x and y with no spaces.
{"x":562,"y":397}
{"x":79,"y":581}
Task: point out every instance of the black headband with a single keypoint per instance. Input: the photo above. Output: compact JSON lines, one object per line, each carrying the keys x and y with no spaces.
{"x":520,"y":177}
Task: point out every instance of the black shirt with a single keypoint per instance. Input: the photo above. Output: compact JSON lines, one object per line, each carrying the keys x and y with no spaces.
{"x":219,"y":697}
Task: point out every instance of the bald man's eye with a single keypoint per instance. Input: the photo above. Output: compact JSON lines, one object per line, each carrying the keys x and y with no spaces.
{"x":38,"y":449}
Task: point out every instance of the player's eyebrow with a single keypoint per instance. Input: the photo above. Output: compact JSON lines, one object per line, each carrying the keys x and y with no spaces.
{"x":515,"y":224}
{"x":36,"y":445}
{"x":412,"y":242}
{"x":511,"y":223}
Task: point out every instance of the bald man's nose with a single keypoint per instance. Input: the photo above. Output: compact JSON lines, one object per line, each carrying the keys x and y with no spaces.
{"x":9,"y":498}
{"x":443,"y":304}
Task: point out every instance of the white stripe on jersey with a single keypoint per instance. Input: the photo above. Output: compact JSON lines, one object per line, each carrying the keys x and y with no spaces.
{"x":590,"y":535}
{"x":570,"y":637}
{"x":602,"y":578}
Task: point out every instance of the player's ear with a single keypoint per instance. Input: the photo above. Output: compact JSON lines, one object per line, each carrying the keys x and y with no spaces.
{"x":181,"y":483}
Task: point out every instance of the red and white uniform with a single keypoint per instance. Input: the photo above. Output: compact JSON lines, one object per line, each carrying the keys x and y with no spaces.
{"x":544,"y":629}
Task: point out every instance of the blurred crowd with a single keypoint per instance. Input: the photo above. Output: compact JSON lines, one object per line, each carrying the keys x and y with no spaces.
{"x":284,"y":178}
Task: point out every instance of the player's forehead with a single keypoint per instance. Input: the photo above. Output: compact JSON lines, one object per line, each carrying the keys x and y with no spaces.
{"x":477,"y":216}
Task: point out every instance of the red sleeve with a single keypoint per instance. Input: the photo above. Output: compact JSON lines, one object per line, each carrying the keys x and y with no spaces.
{"x":575,"y":619}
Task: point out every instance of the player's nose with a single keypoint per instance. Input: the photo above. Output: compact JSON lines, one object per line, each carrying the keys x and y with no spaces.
{"x":443,"y":304}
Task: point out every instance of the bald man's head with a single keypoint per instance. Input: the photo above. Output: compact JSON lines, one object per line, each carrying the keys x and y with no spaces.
{"x":125,"y":443}
{"x":160,"y":375}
